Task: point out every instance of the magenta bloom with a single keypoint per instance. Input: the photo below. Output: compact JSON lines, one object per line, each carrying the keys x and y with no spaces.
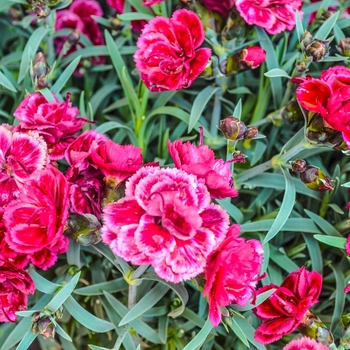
{"x":232,"y":272}
{"x":223,"y":7}
{"x":166,"y":56}
{"x":22,"y":156}
{"x":200,"y":161}
{"x":166,"y":220}
{"x":275,"y":16}
{"x":35,"y":222}
{"x":305,"y":343}
{"x":15,"y":285}
{"x":329,"y":96}
{"x":117,"y":162}
{"x":56,"y":122}
{"x":286,"y":307}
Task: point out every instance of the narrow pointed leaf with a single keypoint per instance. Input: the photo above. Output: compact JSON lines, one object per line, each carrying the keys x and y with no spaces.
{"x":43,"y":284}
{"x":239,"y":332}
{"x":338,"y":242}
{"x":27,"y":340}
{"x":326,"y":27}
{"x":323,"y":224}
{"x":199,"y":339}
{"x":6,"y":83}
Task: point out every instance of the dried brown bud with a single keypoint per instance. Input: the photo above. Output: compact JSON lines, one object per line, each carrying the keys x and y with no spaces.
{"x":299,"y":166}
{"x":46,"y":327}
{"x":73,"y":37}
{"x":306,"y":39}
{"x":42,"y":11}
{"x":251,"y":132}
{"x":344,"y":47}
{"x":317,"y":49}
{"x":316,"y":179}
{"x":232,"y":128}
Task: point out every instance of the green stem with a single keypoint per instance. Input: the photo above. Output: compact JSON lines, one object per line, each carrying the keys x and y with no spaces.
{"x":215,"y":119}
{"x":132,"y":296}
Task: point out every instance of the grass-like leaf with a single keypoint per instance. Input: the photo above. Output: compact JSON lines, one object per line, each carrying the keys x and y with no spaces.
{"x":277,"y":72}
{"x":146,"y":302}
{"x":299,"y":25}
{"x":86,"y":318}
{"x":113,"y":286}
{"x":314,"y":251}
{"x":63,"y":294}
{"x":43,"y":284}
{"x":27,"y":340}
{"x":323,"y":224}
{"x":199,"y":104}
{"x":339,"y":298}
{"x":338,"y":242}
{"x":199,"y":339}
{"x":135,"y":16}
{"x":326,"y":27}
{"x":238,"y":331}
{"x":64,"y":77}
{"x":5,"y":82}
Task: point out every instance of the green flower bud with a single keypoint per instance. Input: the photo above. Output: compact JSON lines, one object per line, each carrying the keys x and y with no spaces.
{"x":292,"y":112}
{"x":344,"y":47}
{"x":83,"y":228}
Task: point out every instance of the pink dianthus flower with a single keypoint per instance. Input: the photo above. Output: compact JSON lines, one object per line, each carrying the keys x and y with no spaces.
{"x":35,"y":222}
{"x":275,"y":16}
{"x":56,"y":122}
{"x":166,"y":220}
{"x":15,"y":285}
{"x":232,"y":272}
{"x":168,"y":57}
{"x":305,"y":343}
{"x":200,"y":161}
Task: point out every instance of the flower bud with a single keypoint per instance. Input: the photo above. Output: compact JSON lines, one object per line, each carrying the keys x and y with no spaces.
{"x":317,"y":49}
{"x":299,"y":166}
{"x":211,"y":69}
{"x":73,"y":37}
{"x":46,"y":327}
{"x":39,"y":71}
{"x":238,"y":157}
{"x":116,"y":24}
{"x":344,"y":47}
{"x":316,"y":179}
{"x":251,"y":132}
{"x":232,"y":128}
{"x":306,"y":39}
{"x":303,"y":66}
{"x":253,"y":56}
{"x":292,"y":112}
{"x":314,"y":328}
{"x":14,"y":14}
{"x":345,"y":336}
{"x":83,"y":228}
{"x":42,"y":11}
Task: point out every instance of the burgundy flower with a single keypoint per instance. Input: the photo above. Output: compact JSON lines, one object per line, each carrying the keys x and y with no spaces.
{"x":305,"y":343}
{"x":151,"y":2}
{"x":166,"y":56}
{"x":200,"y":161}
{"x":56,"y":122}
{"x":329,"y":96}
{"x":284,"y":310}
{"x":35,"y":222}
{"x":15,"y":285}
{"x":22,"y":156}
{"x":117,"y":162}
{"x":223,"y":7}
{"x":253,"y":56}
{"x":275,"y":16}
{"x":166,"y":220}
{"x":232,"y":272}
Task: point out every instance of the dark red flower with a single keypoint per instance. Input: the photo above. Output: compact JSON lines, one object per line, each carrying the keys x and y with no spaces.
{"x":35,"y":222}
{"x":232,"y":272}
{"x":167,"y":55}
{"x":200,"y":161}
{"x":284,"y":310}
{"x":56,"y":122}
{"x":15,"y":285}
{"x":223,"y":7}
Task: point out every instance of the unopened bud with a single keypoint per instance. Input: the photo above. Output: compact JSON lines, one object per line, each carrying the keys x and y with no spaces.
{"x":344,"y":47}
{"x":238,"y":157}
{"x":292,"y":112}
{"x":73,"y":37}
{"x":252,"y":57}
{"x":299,"y":166}
{"x":303,"y":66}
{"x":316,"y":179}
{"x":317,"y":49}
{"x":116,"y":24}
{"x":42,"y":11}
{"x":14,"y":14}
{"x":251,"y":132}
{"x":39,"y":71}
{"x":84,"y":228}
{"x":46,"y":327}
{"x":306,"y":39}
{"x":232,"y":128}
{"x":314,"y":328}
{"x":345,"y":337}
{"x":51,"y":3}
